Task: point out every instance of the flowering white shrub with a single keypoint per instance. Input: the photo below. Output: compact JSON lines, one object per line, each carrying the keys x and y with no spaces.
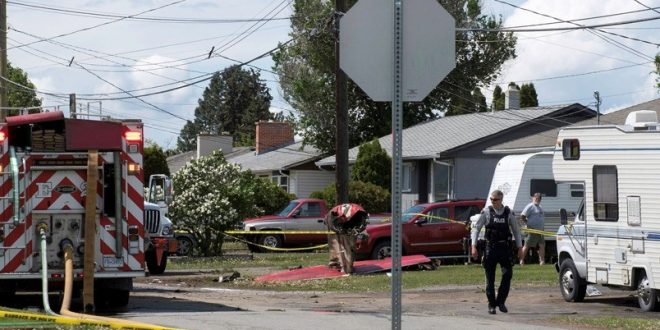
{"x":211,"y":196}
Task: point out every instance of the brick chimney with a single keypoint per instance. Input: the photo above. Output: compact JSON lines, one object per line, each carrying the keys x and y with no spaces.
{"x":273,"y":134}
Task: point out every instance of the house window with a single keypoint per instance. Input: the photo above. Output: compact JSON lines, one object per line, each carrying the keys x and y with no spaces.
{"x":442,"y":180}
{"x":577,"y":190}
{"x":282,"y":181}
{"x":547,"y":188}
{"x":407,"y":177}
{"x":606,"y":201}
{"x":571,"y":149}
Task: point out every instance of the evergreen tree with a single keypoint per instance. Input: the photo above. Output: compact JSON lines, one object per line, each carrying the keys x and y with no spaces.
{"x":479,"y":100}
{"x":528,"y":97}
{"x":306,"y":70}
{"x":372,"y":165}
{"x":234,"y":101}
{"x":498,"y":98}
{"x":155,"y":161}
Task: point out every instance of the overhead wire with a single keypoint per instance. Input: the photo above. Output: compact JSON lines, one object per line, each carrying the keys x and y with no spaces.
{"x":102,"y":24}
{"x":145,"y":18}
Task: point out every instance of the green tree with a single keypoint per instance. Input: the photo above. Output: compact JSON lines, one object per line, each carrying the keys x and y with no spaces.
{"x":373,"y":165}
{"x":528,"y":97}
{"x":235,"y":99}
{"x":211,"y":196}
{"x":155,"y":161}
{"x":373,"y":198}
{"x":306,"y":70}
{"x":187,"y":139}
{"x":498,"y":98}
{"x":479,"y":100}
{"x":19,"y":96}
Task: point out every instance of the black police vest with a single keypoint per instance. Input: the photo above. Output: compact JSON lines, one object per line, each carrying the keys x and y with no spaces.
{"x":497,"y":228}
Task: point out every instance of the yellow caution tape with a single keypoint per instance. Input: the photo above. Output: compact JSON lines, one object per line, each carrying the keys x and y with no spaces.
{"x":440,"y":218}
{"x":275,"y":248}
{"x":73,"y":321}
{"x":538,"y":232}
{"x":279,"y":232}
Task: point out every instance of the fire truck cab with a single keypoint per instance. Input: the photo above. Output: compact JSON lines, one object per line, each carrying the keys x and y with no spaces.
{"x":47,"y":166}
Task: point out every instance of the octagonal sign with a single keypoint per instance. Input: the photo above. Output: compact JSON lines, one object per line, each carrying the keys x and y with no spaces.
{"x":366,"y":47}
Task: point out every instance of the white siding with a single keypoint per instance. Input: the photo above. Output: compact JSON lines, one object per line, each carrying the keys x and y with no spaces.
{"x":636,"y":156}
{"x":303,"y":183}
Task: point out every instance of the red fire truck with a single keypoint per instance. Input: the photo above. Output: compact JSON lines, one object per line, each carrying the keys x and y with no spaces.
{"x":47,"y":163}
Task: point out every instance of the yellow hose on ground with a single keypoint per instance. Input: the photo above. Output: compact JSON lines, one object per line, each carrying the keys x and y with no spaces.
{"x":108,"y":321}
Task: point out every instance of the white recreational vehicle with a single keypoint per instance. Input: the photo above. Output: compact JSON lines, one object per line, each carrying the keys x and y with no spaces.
{"x":615,"y":239}
{"x":520,"y":176}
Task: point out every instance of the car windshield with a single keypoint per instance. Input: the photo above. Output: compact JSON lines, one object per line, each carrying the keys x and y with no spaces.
{"x":285,"y":211}
{"x":410,"y":213}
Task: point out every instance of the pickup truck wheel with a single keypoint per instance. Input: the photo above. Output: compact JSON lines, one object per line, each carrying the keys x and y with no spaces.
{"x":382,"y":250}
{"x":152,"y":266}
{"x":647,"y":297}
{"x":571,"y":285}
{"x":184,"y":246}
{"x":270,"y":240}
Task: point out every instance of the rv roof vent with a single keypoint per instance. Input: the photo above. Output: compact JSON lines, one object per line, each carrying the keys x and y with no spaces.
{"x":642,"y":118}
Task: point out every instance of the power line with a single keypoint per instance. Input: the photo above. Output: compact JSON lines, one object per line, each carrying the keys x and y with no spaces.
{"x":99,"y":25}
{"x":593,"y":27}
{"x":579,"y":74}
{"x":146,"y":18}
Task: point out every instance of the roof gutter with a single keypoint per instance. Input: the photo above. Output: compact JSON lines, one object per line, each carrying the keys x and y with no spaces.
{"x":517,"y":150}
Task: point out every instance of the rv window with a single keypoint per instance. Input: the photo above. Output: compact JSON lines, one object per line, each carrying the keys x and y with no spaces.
{"x":571,"y":149}
{"x":606,"y":202}
{"x":547,"y":188}
{"x":577,"y":190}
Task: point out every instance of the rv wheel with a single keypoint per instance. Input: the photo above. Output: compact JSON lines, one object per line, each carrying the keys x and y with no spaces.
{"x":647,"y":297}
{"x":571,"y":285}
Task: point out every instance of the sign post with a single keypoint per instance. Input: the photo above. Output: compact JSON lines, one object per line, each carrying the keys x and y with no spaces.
{"x":397,"y":53}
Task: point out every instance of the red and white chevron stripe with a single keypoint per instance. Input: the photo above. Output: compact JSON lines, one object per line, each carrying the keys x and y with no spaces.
{"x":66,"y":192}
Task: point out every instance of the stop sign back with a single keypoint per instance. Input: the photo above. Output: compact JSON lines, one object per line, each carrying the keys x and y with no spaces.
{"x":367,"y":47}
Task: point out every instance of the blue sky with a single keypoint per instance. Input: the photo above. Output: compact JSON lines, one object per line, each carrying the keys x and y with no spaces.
{"x":153,"y":53}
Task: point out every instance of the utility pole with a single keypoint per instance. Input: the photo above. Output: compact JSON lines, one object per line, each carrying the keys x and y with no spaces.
{"x":72,"y":105}
{"x":4,"y":102}
{"x":598,"y":101}
{"x":341,"y":146}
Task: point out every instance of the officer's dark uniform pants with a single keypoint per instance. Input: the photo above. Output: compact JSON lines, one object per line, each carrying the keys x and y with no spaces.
{"x":498,"y":253}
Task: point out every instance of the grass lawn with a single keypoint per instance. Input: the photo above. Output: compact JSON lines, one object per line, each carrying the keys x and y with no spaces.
{"x":444,"y":275}
{"x":609,"y":322}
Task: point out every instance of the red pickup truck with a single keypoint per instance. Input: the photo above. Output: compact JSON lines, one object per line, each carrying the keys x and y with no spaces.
{"x":423,"y":235}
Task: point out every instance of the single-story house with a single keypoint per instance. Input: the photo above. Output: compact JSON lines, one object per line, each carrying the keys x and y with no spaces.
{"x":206,"y":144}
{"x":547,"y":141}
{"x":444,"y":159}
{"x":279,"y":158}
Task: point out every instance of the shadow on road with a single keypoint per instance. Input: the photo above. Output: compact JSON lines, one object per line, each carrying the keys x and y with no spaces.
{"x":155,"y":305}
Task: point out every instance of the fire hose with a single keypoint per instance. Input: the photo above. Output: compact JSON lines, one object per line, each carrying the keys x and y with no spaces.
{"x":66,"y":303}
{"x":44,"y":271}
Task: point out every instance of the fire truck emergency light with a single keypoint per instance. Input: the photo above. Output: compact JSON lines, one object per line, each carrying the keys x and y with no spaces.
{"x":2,"y":136}
{"x":133,"y":136}
{"x":133,"y":168}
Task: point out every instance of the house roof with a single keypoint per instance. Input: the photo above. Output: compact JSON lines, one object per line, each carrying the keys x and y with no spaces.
{"x":428,"y":139}
{"x":176,"y":162}
{"x":277,"y":159}
{"x":547,"y":139}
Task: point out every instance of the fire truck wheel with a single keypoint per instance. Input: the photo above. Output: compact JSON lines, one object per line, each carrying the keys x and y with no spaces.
{"x":270,"y":240}
{"x":152,"y":266}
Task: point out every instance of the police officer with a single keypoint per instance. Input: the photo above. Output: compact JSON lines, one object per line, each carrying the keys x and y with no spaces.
{"x":500,"y":227}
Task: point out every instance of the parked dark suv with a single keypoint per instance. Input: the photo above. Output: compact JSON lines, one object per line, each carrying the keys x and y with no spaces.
{"x":423,"y":235}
